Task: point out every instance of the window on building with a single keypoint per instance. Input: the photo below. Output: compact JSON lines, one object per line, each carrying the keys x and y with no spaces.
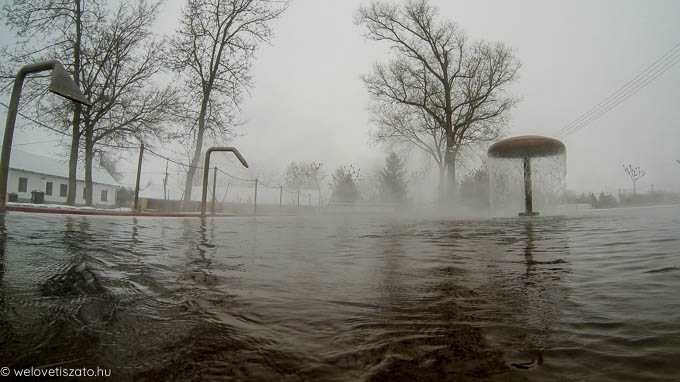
{"x":23,"y":184}
{"x":48,"y":188}
{"x":105,"y":196}
{"x":63,"y":190}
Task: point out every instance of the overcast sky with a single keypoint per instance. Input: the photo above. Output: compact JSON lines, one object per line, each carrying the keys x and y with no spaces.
{"x":309,"y":103}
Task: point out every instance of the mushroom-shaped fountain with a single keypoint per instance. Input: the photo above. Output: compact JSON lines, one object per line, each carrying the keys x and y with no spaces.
{"x":526,"y":147}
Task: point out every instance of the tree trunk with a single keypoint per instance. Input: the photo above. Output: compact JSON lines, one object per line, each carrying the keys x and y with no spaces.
{"x":195,"y":161}
{"x":89,"y":153}
{"x":75,"y":138}
{"x":442,"y":181}
{"x":73,"y":159}
{"x":450,"y":156}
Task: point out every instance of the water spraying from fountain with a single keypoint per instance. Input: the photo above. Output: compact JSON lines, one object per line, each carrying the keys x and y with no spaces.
{"x":532,"y":166}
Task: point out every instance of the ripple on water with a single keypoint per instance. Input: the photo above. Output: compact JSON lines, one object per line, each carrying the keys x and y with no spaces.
{"x":314,"y":298}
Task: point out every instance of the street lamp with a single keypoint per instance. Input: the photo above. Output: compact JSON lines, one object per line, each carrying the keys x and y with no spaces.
{"x":61,"y":83}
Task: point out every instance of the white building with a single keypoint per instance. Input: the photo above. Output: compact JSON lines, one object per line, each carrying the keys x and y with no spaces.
{"x":30,"y":172}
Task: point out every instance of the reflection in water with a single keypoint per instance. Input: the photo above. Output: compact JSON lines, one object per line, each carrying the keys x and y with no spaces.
{"x":5,"y":326}
{"x":309,"y":298}
{"x":3,"y":247}
{"x":524,"y":297}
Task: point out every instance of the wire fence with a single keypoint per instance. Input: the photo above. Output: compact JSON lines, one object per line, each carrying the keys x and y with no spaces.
{"x":164,"y":188}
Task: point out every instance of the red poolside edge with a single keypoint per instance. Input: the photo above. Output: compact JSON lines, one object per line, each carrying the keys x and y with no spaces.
{"x":109,"y":213}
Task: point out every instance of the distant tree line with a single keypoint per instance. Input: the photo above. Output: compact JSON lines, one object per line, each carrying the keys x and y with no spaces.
{"x":608,"y":200}
{"x":388,"y":185}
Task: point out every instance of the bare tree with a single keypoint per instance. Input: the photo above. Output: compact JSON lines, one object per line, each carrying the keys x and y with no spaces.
{"x":634,"y":173}
{"x":461,"y":86}
{"x":300,"y":175}
{"x":397,"y":125}
{"x":345,"y":185}
{"x":113,"y":58}
{"x":51,"y":29}
{"x":212,"y":51}
{"x":119,"y":66}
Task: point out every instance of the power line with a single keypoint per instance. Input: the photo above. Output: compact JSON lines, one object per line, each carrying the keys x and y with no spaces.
{"x":30,"y":119}
{"x":171,"y":160}
{"x":651,"y":72}
{"x":24,"y":116}
{"x":621,"y":98}
{"x":234,"y":177}
{"x":625,"y":87}
{"x":120,"y":147}
{"x":627,"y":90}
{"x":36,"y":142}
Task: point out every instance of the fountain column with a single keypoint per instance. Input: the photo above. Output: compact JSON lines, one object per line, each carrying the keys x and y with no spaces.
{"x":528,"y":200}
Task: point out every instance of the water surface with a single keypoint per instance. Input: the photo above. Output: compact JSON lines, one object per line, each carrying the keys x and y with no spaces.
{"x":590,"y":297}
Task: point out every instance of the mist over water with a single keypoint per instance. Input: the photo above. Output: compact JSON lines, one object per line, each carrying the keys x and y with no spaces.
{"x":506,"y":184}
{"x":346,"y":297}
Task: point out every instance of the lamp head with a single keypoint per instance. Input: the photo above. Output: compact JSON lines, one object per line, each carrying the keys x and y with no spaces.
{"x":241,"y":158}
{"x":62,"y":84}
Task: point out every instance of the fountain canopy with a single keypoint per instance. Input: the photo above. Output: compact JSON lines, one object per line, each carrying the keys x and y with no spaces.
{"x":526,"y":146}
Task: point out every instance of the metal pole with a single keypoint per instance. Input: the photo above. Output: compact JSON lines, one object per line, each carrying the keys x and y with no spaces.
{"x":528,"y":199}
{"x":61,"y":83}
{"x":255,"y":204}
{"x":139,"y":174}
{"x":280,"y":196}
{"x":9,"y":136}
{"x":298,"y":195}
{"x":212,"y":208}
{"x":206,"y":170}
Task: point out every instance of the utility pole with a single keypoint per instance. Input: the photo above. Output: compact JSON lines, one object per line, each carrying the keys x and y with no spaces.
{"x":255,"y":204}
{"x":165,"y":182}
{"x":139,"y":174}
{"x":212,"y":208}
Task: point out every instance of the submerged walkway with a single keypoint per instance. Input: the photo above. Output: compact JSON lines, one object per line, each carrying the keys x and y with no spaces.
{"x":103,"y":212}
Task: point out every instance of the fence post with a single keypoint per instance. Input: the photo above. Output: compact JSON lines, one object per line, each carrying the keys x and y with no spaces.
{"x":298,"y":195}
{"x":139,"y":173}
{"x":255,"y":204}
{"x":212,"y":207}
{"x":280,"y":196}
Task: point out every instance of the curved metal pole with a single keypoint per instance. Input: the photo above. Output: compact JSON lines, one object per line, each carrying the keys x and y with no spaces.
{"x":61,"y":84}
{"x":206,"y":170}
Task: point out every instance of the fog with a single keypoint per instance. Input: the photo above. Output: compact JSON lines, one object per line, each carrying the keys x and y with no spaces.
{"x":309,"y":103}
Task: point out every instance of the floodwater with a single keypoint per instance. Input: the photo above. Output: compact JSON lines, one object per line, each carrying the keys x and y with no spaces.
{"x":588,"y":297}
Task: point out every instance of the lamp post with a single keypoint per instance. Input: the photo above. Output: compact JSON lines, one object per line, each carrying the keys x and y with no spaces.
{"x":61,"y":83}
{"x":206,"y":170}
